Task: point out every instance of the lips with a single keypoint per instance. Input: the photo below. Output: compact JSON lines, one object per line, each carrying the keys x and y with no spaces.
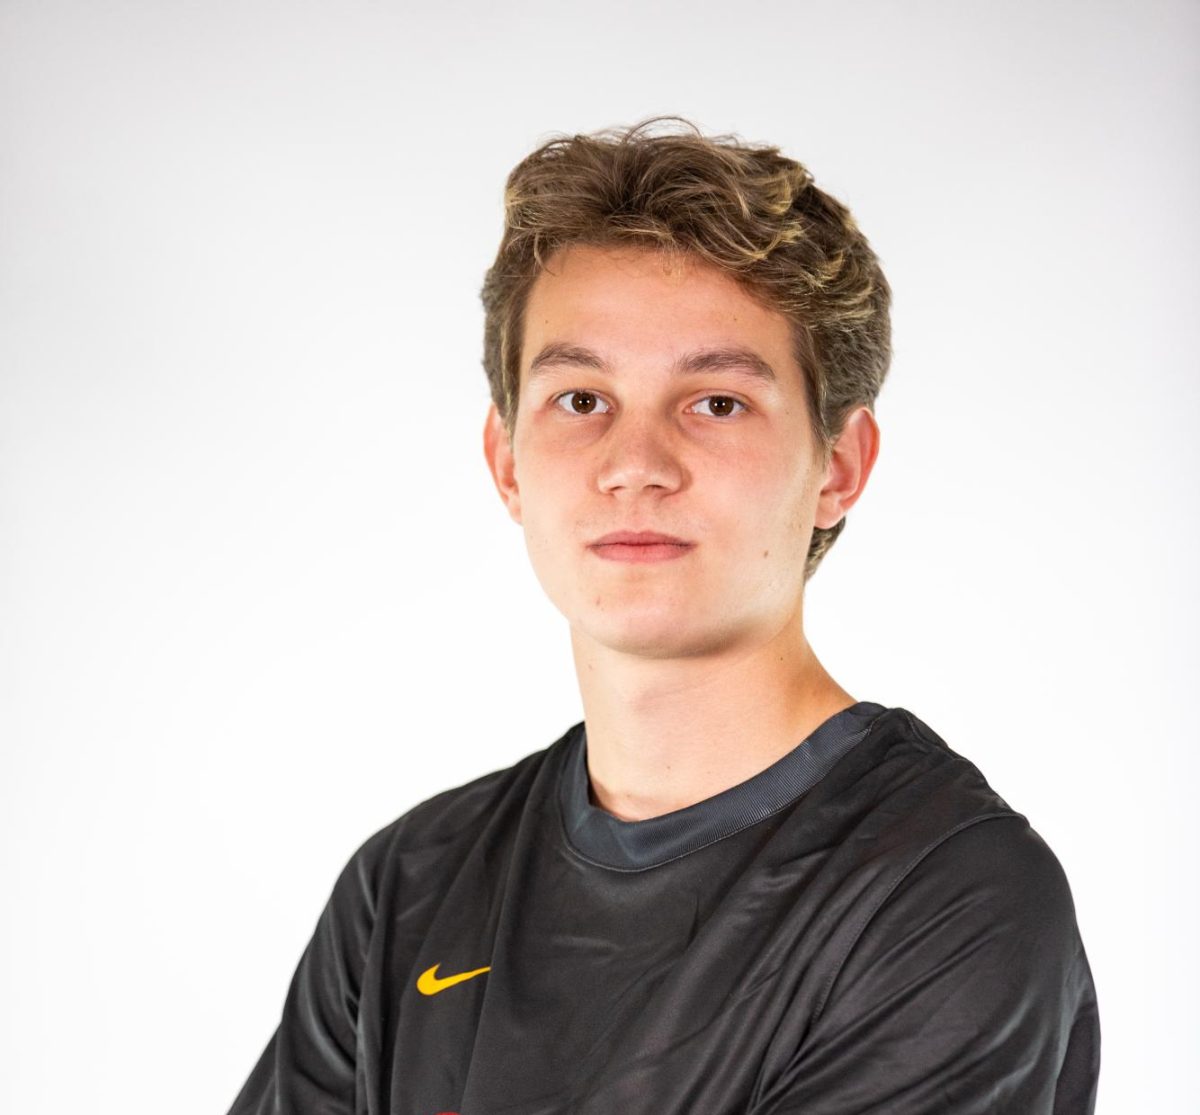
{"x":639,"y":538}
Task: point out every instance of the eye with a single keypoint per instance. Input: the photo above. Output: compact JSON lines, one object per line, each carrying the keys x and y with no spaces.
{"x":724,"y":399}
{"x":576,"y":395}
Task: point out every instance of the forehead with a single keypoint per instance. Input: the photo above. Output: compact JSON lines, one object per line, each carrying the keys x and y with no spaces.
{"x":623,"y":299}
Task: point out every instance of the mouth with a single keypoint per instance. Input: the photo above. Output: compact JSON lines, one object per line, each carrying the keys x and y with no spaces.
{"x":640,"y":547}
{"x":639,"y":538}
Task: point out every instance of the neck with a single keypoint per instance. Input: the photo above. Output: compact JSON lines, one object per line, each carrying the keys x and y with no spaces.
{"x":663,"y":734}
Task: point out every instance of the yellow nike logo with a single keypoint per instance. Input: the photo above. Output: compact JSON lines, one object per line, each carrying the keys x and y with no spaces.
{"x":429,"y":984}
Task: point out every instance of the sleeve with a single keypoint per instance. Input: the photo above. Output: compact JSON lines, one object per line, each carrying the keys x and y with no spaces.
{"x":309,"y":1065}
{"x":968,"y":992}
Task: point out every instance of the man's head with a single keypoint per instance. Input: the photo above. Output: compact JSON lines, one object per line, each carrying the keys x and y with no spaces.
{"x":747,"y":212}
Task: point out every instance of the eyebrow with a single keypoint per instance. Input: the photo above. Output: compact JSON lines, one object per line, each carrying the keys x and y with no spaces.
{"x":741,"y":360}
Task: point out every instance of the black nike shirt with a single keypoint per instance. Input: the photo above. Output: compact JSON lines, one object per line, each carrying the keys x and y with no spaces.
{"x":863,"y":927}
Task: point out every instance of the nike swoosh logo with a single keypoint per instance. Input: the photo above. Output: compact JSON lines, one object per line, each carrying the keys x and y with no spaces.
{"x":428,"y":982}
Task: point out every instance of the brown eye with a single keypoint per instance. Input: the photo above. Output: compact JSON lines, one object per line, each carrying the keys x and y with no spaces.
{"x":589,"y":403}
{"x":722,"y":405}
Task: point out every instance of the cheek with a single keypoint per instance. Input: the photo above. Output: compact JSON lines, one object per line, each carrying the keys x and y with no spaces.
{"x":781,"y":505}
{"x":543,"y":489}
{"x":547,"y":513}
{"x":767,"y":489}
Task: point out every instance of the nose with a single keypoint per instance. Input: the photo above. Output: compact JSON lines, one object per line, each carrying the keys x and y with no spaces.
{"x":639,"y":453}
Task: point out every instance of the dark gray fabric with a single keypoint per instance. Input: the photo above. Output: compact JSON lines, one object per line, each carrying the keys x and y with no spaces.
{"x":607,"y":841}
{"x":893,"y":939}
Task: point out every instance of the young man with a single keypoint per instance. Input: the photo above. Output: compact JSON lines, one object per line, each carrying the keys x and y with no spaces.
{"x":732,"y":889}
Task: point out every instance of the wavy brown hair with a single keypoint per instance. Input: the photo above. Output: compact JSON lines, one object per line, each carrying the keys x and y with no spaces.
{"x":749,"y":210}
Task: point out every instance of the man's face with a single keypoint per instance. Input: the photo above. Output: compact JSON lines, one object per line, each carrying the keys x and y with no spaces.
{"x":610,"y":436}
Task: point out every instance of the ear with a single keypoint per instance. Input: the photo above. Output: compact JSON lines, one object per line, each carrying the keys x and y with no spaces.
{"x":850,"y":465}
{"x":498,"y":451}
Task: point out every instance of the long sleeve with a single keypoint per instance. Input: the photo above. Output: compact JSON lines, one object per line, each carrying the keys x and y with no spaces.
{"x":309,"y":1065}
{"x":967,"y":992}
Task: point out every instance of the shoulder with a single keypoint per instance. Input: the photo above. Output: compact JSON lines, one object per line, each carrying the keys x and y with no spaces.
{"x":956,"y":978}
{"x":976,"y":835}
{"x":907,"y":752}
{"x":943,"y":848}
{"x":962,"y":833}
{"x":1001,"y":867}
{"x":968,"y":881}
{"x":901,"y":791}
{"x":439,"y":822}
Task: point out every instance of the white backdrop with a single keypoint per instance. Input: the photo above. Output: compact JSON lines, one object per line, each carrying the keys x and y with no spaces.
{"x":259,"y":596}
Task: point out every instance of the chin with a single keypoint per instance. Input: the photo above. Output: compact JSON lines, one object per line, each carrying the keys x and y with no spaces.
{"x":651,"y":637}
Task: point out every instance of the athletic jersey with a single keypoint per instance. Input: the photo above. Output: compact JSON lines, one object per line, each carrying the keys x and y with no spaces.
{"x":864,"y":926}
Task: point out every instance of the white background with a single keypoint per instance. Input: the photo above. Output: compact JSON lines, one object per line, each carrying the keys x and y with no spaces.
{"x":259,"y":596}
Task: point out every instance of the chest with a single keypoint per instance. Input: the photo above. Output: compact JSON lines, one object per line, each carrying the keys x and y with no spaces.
{"x":536,"y":986}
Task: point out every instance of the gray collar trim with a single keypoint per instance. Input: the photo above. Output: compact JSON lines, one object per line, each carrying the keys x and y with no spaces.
{"x":607,"y":841}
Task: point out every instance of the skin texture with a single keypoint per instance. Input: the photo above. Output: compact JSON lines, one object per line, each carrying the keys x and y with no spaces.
{"x":695,"y":673}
